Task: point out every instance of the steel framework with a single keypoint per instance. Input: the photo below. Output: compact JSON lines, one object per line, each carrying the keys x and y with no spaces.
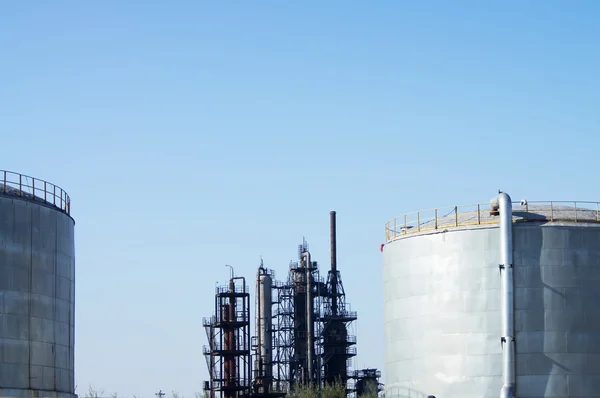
{"x":366,"y":381}
{"x":228,"y":332}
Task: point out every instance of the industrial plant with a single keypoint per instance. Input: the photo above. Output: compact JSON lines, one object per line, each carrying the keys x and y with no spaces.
{"x":493,"y":300}
{"x":37,"y":275}
{"x":480,"y":301}
{"x":301,"y":333}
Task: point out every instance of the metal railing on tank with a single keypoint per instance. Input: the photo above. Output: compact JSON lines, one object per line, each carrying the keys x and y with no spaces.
{"x":480,"y":214}
{"x":34,"y":189}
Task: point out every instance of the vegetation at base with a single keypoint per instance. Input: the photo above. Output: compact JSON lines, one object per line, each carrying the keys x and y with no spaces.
{"x":371,"y":393}
{"x":336,"y":390}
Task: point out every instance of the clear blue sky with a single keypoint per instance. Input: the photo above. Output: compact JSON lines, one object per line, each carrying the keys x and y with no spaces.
{"x":193,"y":134}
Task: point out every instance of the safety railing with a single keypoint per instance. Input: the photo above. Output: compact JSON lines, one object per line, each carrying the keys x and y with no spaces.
{"x":343,"y":310}
{"x":237,"y":288}
{"x":218,"y":346}
{"x":364,"y":373}
{"x":222,"y":383}
{"x":480,"y":214}
{"x":34,"y":189}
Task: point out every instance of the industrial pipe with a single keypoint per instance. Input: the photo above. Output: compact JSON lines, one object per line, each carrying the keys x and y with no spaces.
{"x":309,"y":315}
{"x":507,"y":296}
{"x":264,"y":328}
{"x":259,"y":369}
{"x":334,"y":281}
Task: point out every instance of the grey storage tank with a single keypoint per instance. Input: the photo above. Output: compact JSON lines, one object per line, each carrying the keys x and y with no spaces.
{"x":493,"y":300}
{"x":37,"y":289}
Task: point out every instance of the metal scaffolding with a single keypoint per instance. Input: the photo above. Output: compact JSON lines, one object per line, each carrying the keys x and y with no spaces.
{"x":228,"y":332}
{"x":302,"y":333}
{"x":366,"y":381}
{"x":283,"y":328}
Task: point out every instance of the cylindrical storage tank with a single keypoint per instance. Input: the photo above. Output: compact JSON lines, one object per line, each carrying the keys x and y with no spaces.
{"x":37,"y":289}
{"x":444,"y":302}
{"x":265,"y":323}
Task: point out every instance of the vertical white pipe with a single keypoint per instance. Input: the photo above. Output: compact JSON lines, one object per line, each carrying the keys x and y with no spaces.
{"x":266,"y":329}
{"x":258,"y":325}
{"x":507,"y":297}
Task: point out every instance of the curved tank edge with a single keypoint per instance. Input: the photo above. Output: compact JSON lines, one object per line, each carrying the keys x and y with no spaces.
{"x":38,"y":203}
{"x":443,"y":231}
{"x":522,"y":224}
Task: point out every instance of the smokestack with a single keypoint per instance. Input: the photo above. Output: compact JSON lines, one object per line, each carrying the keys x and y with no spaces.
{"x":333,"y":243}
{"x":332,"y":240}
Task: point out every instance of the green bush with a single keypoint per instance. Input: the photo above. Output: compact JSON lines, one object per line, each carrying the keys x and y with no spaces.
{"x":371,"y":393}
{"x":336,"y":390}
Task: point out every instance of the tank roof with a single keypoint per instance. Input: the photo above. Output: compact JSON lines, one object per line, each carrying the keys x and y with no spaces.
{"x":25,"y":187}
{"x":480,"y":214}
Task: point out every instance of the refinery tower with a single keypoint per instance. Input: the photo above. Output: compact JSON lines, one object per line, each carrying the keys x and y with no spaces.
{"x":301,"y":333}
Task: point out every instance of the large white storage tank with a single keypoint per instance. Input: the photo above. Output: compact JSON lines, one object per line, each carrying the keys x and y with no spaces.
{"x":476,"y":307}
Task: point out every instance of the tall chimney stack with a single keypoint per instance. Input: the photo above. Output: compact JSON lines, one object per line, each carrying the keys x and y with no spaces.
{"x":333,"y":279}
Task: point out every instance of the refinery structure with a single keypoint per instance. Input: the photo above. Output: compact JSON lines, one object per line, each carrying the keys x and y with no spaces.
{"x":294,"y":332}
{"x":301,"y":333}
{"x":489,"y":300}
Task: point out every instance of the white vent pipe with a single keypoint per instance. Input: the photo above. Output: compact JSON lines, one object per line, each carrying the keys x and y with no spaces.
{"x":507,"y":300}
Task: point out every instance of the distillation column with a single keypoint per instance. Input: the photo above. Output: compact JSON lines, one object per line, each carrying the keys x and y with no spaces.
{"x":264,"y":331}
